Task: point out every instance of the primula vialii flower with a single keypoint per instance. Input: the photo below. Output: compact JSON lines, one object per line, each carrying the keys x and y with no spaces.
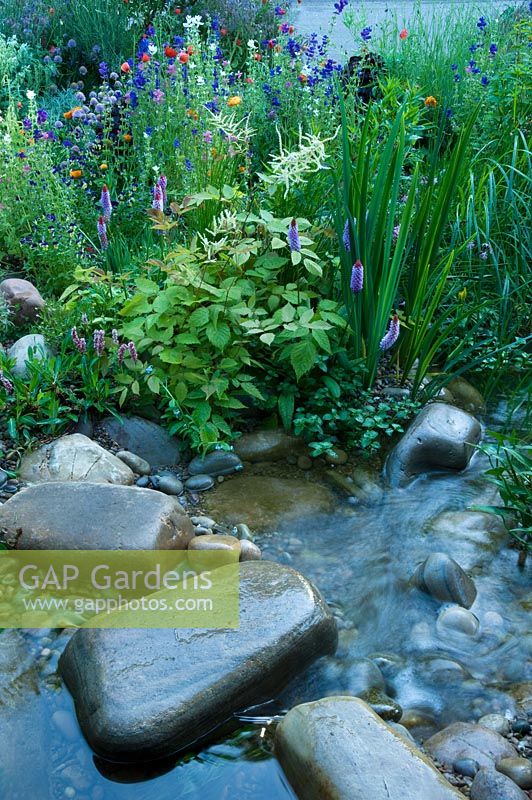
{"x":392,"y":335}
{"x":5,"y":382}
{"x":293,"y":237}
{"x":345,"y":237}
{"x":79,"y":343}
{"x":105,"y":202}
{"x":98,"y":339}
{"x":357,"y":277}
{"x":158,"y":202}
{"x":102,"y":233}
{"x":162,"y":183}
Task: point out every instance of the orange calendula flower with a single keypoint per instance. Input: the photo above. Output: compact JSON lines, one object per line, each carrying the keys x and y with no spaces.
{"x":68,"y":114}
{"x":431,"y":101}
{"x":127,"y":137}
{"x":235,"y":100}
{"x":103,"y":166}
{"x":76,"y":173}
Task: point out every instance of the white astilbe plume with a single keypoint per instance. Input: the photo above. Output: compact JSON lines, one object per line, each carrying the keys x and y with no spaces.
{"x":237,"y":131}
{"x":292,"y":167}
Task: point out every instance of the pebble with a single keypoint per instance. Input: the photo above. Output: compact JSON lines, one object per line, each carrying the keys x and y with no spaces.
{"x":491,"y":785}
{"x":219,"y":462}
{"x":521,"y":726}
{"x":496,"y":722}
{"x":205,"y":522}
{"x":139,"y":465}
{"x":519,"y":770}
{"x":304,"y":462}
{"x":201,"y":530}
{"x":4,"y":477}
{"x":199,"y":483}
{"x":336,"y":457}
{"x":143,"y":482}
{"x":466,"y":766}
{"x":457,"y":620}
{"x":249,"y":551}
{"x":243,"y":532}
{"x":169,"y":484}
{"x":384,"y":706}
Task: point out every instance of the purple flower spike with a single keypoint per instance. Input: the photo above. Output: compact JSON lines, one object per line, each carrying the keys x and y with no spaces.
{"x":102,"y":233}
{"x":105,"y":202}
{"x":122,"y":350}
{"x":293,"y":237}
{"x":114,"y":336}
{"x":357,"y":277}
{"x":162,"y":183}
{"x":5,"y":382}
{"x":158,"y":202}
{"x":132,"y":351}
{"x":392,"y":335}
{"x":79,"y":343}
{"x":98,"y":338}
{"x":345,"y":237}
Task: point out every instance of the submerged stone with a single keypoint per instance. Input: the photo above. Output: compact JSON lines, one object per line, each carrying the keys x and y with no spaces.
{"x":145,"y":694}
{"x":445,"y":580}
{"x":465,"y":740}
{"x":219,"y":462}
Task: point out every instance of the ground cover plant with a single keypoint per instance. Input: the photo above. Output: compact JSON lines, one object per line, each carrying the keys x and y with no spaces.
{"x":216,"y":192}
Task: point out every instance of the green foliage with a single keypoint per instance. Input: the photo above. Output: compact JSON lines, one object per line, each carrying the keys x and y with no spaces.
{"x":337,"y":410}
{"x":511,"y":472}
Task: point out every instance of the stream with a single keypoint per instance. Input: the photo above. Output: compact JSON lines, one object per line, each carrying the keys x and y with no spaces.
{"x":360,"y":558}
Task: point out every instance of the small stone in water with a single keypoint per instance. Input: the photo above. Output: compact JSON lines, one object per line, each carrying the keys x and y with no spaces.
{"x":206,"y":522}
{"x":143,"y":482}
{"x":46,"y":652}
{"x":466,"y":766}
{"x":521,"y":727}
{"x":249,"y":551}
{"x":3,"y":477}
{"x":243,"y":532}
{"x":519,"y":770}
{"x":336,"y":456}
{"x":201,"y":530}
{"x":169,"y":484}
{"x":199,"y":483}
{"x":384,"y":706}
{"x":496,"y":722}
{"x":134,"y":462}
{"x":304,"y":462}
{"x":457,"y":620}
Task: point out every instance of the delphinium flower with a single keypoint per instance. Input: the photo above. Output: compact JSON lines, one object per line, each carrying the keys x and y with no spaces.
{"x":340,"y":5}
{"x":101,"y":227}
{"x":345,"y":237}
{"x":392,"y":334}
{"x":357,"y":277}
{"x":493,"y":49}
{"x":42,"y":116}
{"x":484,"y":80}
{"x":365,"y":33}
{"x":482,"y":24}
{"x":79,"y":342}
{"x":5,"y":382}
{"x":293,"y":237}
{"x":158,"y":203}
{"x":105,"y":202}
{"x":98,"y":339}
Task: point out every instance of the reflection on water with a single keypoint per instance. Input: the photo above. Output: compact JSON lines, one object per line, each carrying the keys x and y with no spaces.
{"x":361,"y":560}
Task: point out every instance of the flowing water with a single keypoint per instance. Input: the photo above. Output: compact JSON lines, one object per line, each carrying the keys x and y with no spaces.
{"x":360,"y":559}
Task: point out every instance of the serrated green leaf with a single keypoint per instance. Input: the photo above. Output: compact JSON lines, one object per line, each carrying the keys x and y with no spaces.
{"x":218,"y":336}
{"x":303,"y":357}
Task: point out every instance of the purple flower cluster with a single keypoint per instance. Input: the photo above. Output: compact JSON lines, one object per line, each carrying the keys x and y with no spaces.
{"x":294,"y":241}
{"x":5,"y":382}
{"x":392,"y":334}
{"x":357,"y":277}
{"x":79,"y":342}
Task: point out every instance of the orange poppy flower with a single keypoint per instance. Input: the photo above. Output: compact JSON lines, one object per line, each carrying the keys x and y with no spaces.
{"x":234,"y":101}
{"x":76,"y":173}
{"x":145,"y":58}
{"x":127,"y":137}
{"x":431,"y":101}
{"x":170,"y":52}
{"x":103,"y":166}
{"x":183,"y":58}
{"x":403,"y":34}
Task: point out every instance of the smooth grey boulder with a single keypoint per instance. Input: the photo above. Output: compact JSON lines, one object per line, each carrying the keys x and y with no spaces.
{"x":519,"y":770}
{"x":219,"y":462}
{"x":144,"y":438}
{"x":144,"y":694}
{"x":441,"y":437}
{"x":466,"y":396}
{"x":93,"y":516}
{"x":74,"y":458}
{"x":490,"y":785}
{"x":339,"y":749}
{"x":33,"y":345}
{"x":465,"y":740}
{"x":268,"y":445}
{"x":23,"y":298}
{"x":445,"y":580}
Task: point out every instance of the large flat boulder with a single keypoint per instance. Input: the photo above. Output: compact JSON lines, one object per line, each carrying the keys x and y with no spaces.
{"x":145,"y":694}
{"x":465,"y":740}
{"x":144,"y":438}
{"x":93,"y":516}
{"x":339,"y":749}
{"x":441,"y":437}
{"x":74,"y":458}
